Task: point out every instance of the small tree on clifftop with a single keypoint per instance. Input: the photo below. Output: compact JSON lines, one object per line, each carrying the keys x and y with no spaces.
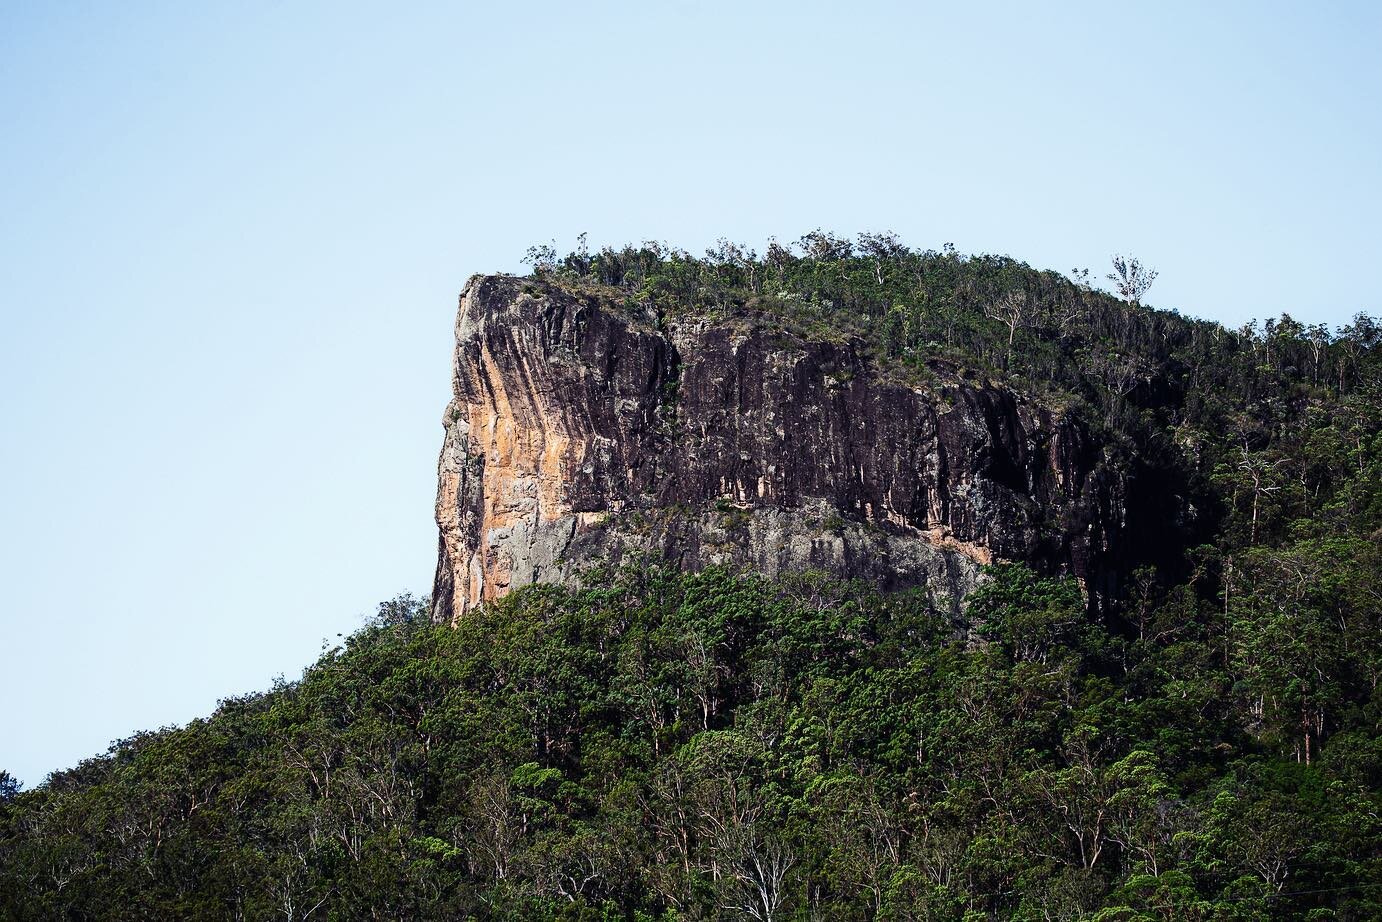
{"x":1131,"y":278}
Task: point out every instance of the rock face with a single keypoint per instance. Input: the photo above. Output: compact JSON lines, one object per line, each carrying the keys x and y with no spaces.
{"x":582,"y":431}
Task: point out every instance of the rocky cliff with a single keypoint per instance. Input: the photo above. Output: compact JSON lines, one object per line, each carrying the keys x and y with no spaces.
{"x":583,"y":430}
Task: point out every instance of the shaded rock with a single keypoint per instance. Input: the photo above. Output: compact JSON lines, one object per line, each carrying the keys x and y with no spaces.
{"x":582,"y":430}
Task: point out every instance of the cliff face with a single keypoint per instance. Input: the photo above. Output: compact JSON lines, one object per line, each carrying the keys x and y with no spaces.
{"x":581,"y":432}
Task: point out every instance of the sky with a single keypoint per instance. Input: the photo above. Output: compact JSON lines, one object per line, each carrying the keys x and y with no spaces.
{"x":232,"y":237}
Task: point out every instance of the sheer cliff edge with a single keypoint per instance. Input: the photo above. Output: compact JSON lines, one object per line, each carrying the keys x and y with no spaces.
{"x":583,"y":430}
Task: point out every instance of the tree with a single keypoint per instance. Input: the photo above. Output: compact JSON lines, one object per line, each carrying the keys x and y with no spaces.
{"x":1031,"y":618}
{"x":883,"y":249}
{"x":1261,"y":476}
{"x":1010,"y":310}
{"x":758,"y":875}
{"x":542,"y":258}
{"x":1131,"y":278}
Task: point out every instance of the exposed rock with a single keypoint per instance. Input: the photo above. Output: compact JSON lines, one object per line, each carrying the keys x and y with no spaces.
{"x":581,"y":431}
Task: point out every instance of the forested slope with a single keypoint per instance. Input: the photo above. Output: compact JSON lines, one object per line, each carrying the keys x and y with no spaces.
{"x":652,"y":744}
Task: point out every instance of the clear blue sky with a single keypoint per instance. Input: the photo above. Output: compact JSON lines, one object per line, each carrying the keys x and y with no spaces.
{"x":231,"y":238}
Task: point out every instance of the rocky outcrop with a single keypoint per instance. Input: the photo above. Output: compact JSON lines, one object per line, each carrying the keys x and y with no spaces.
{"x":583,"y":430}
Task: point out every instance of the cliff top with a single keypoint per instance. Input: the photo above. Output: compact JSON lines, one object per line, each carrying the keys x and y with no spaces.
{"x":923,"y":315}
{"x":1037,"y":419}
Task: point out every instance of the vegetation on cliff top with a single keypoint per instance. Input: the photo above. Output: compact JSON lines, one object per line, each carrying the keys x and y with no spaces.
{"x":715,"y":746}
{"x":990,"y":315}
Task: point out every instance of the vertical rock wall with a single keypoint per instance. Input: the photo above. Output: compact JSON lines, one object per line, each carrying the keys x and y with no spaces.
{"x":581,"y":431}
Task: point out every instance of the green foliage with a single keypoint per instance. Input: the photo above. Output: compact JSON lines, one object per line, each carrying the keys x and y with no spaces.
{"x":1029,"y":618}
{"x":661,"y":746}
{"x":927,"y":313}
{"x":668,"y":746}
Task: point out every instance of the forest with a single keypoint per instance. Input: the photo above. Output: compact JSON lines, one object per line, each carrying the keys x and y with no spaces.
{"x":657,"y":745}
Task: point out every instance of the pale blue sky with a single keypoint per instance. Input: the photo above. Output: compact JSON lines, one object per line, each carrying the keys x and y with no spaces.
{"x":231,"y":238}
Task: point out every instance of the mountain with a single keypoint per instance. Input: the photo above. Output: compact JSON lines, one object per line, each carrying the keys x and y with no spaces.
{"x":585,"y":430}
{"x":848,"y":581}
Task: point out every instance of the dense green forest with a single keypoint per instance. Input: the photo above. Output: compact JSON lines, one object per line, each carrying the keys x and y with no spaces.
{"x":656,"y":745}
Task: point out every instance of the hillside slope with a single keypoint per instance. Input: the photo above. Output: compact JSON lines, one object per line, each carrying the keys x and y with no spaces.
{"x":659,"y":734}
